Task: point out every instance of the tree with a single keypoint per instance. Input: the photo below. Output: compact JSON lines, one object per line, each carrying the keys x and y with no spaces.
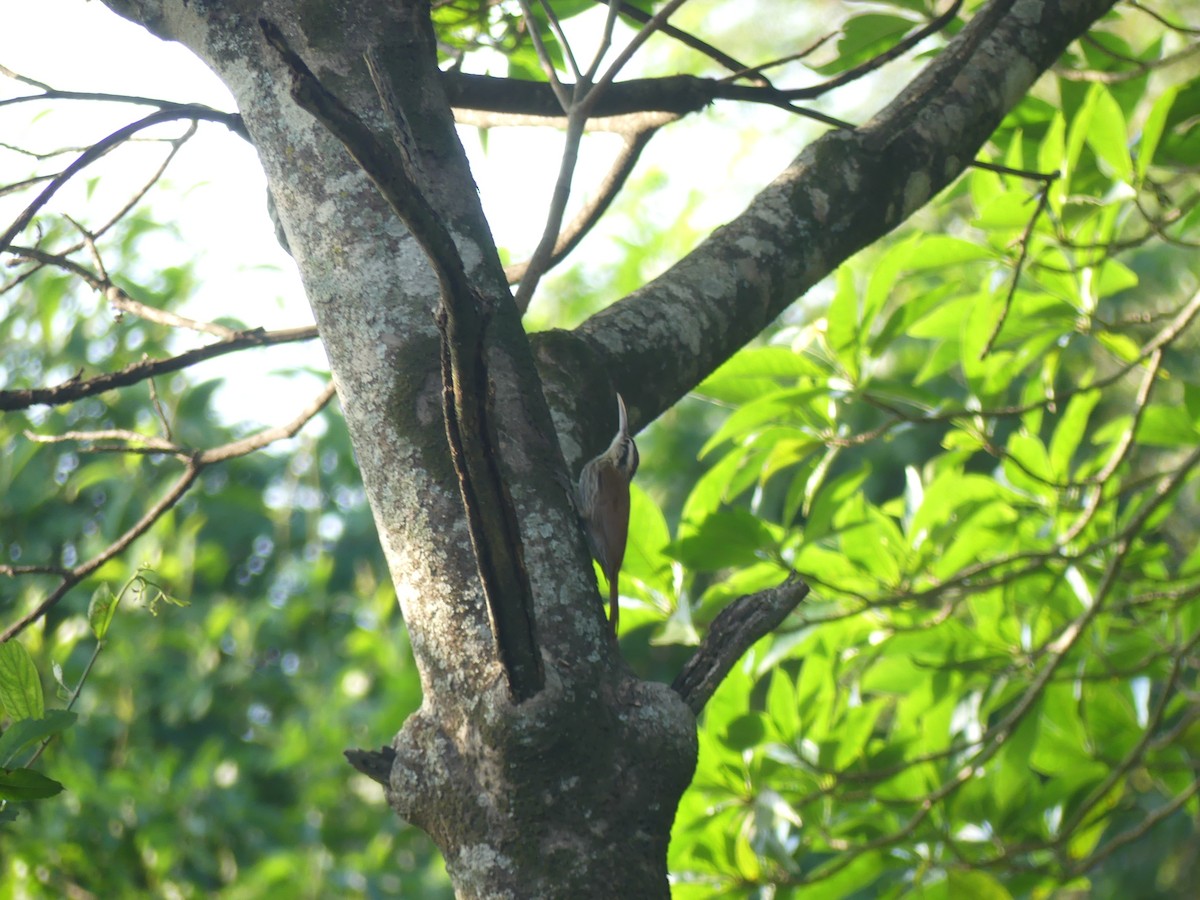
{"x":1011,"y":630}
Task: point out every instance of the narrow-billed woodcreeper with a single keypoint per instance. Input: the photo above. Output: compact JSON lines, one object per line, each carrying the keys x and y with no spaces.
{"x":604,"y":505}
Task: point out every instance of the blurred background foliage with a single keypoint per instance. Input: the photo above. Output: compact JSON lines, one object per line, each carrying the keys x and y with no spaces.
{"x":978,"y":442}
{"x":208,"y":750}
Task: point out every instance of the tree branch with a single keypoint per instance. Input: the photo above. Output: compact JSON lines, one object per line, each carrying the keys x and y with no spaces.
{"x":606,"y":191}
{"x":115,"y":295}
{"x":231,"y":120}
{"x":735,"y":629}
{"x":679,"y":94}
{"x":718,"y":56}
{"x":192,"y":112}
{"x":870,"y":65}
{"x":375,"y":764}
{"x":78,"y":387}
{"x":267,"y":436}
{"x":195,"y":463}
{"x":75,"y":575}
{"x":842,"y":193}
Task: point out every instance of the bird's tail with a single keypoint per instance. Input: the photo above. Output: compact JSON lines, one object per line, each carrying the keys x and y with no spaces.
{"x":614,"y":603}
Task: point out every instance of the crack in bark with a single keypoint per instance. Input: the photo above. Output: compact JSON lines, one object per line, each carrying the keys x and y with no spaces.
{"x":463,"y":316}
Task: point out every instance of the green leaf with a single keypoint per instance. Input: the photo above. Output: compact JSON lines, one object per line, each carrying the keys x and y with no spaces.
{"x":842,"y":330}
{"x":1007,"y":212}
{"x":756,"y":371}
{"x":26,"y":784}
{"x":846,"y":880}
{"x":20,"y":686}
{"x":884,"y":273}
{"x":1028,"y":465}
{"x":728,"y":537}
{"x":678,"y":628}
{"x":1191,"y":402}
{"x":1152,"y":130}
{"x":938,"y":251}
{"x":866,"y":36}
{"x":1061,"y":746}
{"x":1069,"y":432}
{"x":1114,"y":277}
{"x":1167,"y":426}
{"x":854,"y":731}
{"x":24,"y":732}
{"x":781,"y":705}
{"x":101,"y":609}
{"x":745,"y":732}
{"x":944,"y":320}
{"x":1076,"y":139}
{"x":1125,"y":348}
{"x":645,"y":558}
{"x":776,"y":406}
{"x":948,"y":494}
{"x":1050,"y":152}
{"x":712,"y":490}
{"x":1108,"y":134}
{"x":975,"y":884}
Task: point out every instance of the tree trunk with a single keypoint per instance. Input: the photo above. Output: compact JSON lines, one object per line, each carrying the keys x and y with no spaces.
{"x":557,"y":774}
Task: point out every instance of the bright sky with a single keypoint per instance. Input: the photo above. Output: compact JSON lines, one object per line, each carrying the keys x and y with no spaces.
{"x":218,"y":193}
{"x":215,"y":195}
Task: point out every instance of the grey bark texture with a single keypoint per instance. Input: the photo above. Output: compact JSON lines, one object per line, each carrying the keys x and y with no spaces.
{"x":572,"y":792}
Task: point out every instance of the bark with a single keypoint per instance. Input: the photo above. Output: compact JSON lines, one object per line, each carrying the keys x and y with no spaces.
{"x":570,"y":793}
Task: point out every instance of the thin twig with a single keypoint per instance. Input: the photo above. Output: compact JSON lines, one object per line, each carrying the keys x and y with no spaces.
{"x":998,"y":734}
{"x":159,"y":409}
{"x":656,"y":22}
{"x":610,"y":23}
{"x":176,"y":145}
{"x":138,"y":195}
{"x":267,"y":436}
{"x":896,"y":50}
{"x":77,"y":387}
{"x":1120,"y":450}
{"x":144,"y":441}
{"x":1163,"y":19}
{"x":100,"y":149}
{"x":560,"y":35}
{"x":1026,"y":238}
{"x":1137,"y":832}
{"x":688,"y":40}
{"x":1142,"y":68}
{"x":80,"y":572}
{"x":543,"y":55}
{"x":583,"y":99}
{"x":195,"y":463}
{"x":540,"y":260}
{"x":803,"y":53}
{"x":117,"y":297}
{"x":1179,"y":323}
{"x":592,"y":211}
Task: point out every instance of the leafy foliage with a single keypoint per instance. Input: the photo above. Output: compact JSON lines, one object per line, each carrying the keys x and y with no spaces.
{"x":207,"y":750}
{"x":982,"y":455}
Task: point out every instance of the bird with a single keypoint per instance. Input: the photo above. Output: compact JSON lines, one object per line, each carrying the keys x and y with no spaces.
{"x":603,"y":497}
